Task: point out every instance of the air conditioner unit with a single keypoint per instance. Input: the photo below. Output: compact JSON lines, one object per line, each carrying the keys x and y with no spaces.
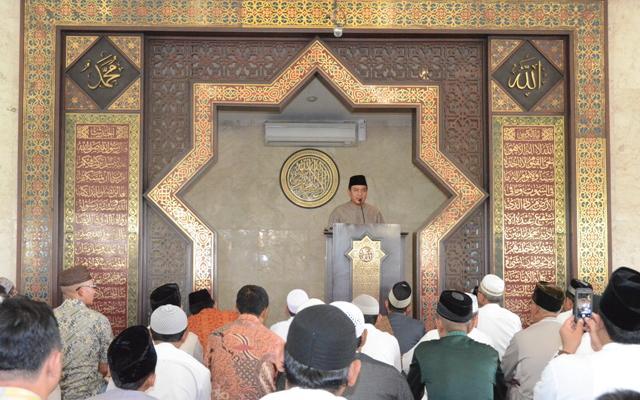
{"x":318,"y":134}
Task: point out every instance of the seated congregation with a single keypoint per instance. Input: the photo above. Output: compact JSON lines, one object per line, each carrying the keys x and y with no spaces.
{"x":477,"y":349}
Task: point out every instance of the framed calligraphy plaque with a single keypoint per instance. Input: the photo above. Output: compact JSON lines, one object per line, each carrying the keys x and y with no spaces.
{"x":309,"y":178}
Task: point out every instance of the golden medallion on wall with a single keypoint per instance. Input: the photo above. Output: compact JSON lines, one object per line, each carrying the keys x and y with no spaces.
{"x":309,"y":178}
{"x":366,"y":258}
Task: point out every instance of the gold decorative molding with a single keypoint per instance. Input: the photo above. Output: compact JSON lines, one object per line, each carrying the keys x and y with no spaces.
{"x":318,"y":59}
{"x":501,"y":49}
{"x":131,"y":46}
{"x":501,"y":101}
{"x":591,"y":203}
{"x":76,"y":45}
{"x":366,"y":258}
{"x":129,"y":100}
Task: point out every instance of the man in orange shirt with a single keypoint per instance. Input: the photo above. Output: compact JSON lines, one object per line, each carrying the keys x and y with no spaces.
{"x":205,"y":318}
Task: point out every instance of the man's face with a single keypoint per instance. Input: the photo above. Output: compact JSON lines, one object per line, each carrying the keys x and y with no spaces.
{"x":87,"y":292}
{"x":358,"y":194}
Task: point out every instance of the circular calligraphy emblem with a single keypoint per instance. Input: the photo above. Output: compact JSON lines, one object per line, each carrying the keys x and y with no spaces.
{"x":366,"y":254}
{"x":309,"y":178}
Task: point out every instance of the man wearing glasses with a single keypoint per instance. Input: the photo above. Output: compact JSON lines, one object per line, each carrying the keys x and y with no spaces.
{"x":86,"y":335}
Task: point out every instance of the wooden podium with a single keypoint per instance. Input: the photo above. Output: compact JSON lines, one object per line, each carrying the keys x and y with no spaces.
{"x":363,"y":259}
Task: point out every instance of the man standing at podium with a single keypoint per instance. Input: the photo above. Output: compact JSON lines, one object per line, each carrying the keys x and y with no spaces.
{"x":356,"y":211}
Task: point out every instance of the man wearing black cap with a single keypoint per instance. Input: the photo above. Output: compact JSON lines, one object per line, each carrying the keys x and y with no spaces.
{"x":455,"y":366}
{"x":319,"y":355}
{"x":407,"y":330}
{"x":615,"y":337}
{"x":356,"y":211}
{"x":567,"y":311}
{"x":531,"y":349}
{"x":132,"y":363}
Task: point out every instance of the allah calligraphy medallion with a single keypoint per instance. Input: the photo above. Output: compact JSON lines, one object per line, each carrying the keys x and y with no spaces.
{"x":527,"y":75}
{"x":366,"y":258}
{"x":103,"y":72}
{"x":309,"y":178}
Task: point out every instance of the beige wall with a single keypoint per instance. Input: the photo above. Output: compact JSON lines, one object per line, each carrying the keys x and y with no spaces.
{"x":624,"y":117}
{"x":624,"y":58}
{"x":9,"y":104}
{"x":264,"y":239}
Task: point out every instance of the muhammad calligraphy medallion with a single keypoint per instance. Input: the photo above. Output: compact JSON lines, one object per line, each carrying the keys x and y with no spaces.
{"x":366,"y":258}
{"x":309,"y":178}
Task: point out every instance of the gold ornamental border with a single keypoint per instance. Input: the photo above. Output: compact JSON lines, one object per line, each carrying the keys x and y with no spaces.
{"x":318,"y":59}
{"x":585,"y":20}
{"x":328,"y":189}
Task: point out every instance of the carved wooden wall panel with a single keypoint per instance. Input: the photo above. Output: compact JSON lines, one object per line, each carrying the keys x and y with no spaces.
{"x":173,"y":65}
{"x":166,"y":257}
{"x":464,"y":253}
{"x":458,"y":66}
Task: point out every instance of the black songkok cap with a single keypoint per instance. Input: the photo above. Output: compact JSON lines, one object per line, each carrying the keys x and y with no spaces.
{"x":199,"y":300}
{"x":548,"y":296}
{"x":400,"y":295}
{"x":322,"y":337}
{"x":455,"y":306}
{"x":620,"y":302}
{"x":131,"y":356}
{"x":166,"y":294}
{"x":357,"y":180}
{"x":577,"y":284}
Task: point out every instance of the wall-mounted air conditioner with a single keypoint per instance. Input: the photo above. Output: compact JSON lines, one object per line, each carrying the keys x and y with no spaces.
{"x":316,"y":134}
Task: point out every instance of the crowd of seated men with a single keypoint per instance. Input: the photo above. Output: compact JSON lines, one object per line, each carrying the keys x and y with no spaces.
{"x":477,"y":349}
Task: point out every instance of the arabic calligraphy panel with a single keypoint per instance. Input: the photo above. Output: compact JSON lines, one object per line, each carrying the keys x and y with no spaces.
{"x":101,"y":207}
{"x":529,"y":205}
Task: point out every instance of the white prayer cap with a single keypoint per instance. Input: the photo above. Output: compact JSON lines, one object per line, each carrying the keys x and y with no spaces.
{"x":295,"y":298}
{"x":6,"y":284}
{"x":367,"y":304}
{"x":492,"y":285}
{"x":474,"y":299}
{"x":354,"y":314}
{"x":168,"y":320}
{"x":311,"y":302}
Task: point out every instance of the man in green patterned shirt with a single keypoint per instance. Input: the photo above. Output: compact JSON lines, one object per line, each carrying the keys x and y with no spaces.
{"x":86,"y":335}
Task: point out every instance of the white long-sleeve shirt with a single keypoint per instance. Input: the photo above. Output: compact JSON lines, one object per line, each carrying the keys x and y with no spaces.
{"x":499,"y":324}
{"x":382,"y":346}
{"x":587,"y":376}
{"x":179,"y":376}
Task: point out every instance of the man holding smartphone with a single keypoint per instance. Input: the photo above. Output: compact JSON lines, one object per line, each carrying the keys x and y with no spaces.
{"x":615,"y":339}
{"x":569,"y":311}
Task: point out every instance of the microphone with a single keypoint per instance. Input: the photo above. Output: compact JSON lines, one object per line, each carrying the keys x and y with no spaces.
{"x":362,"y":211}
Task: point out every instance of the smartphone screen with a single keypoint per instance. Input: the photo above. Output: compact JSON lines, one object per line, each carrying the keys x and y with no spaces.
{"x":583,"y":303}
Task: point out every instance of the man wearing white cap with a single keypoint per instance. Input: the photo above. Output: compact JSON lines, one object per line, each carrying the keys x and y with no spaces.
{"x":377,"y":380}
{"x":407,"y":330}
{"x":295,"y":298}
{"x":380,"y":345}
{"x":497,"y":322}
{"x":475,"y":334}
{"x":179,"y":376}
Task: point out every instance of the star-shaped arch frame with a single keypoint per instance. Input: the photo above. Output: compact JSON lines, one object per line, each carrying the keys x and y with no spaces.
{"x":318,"y":59}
